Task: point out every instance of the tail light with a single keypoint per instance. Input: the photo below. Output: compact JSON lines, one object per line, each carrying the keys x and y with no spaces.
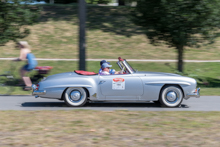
{"x":37,"y":87}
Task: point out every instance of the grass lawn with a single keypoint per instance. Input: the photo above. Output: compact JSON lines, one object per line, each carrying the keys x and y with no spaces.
{"x":110,"y":128}
{"x":110,"y":34}
{"x":206,"y":74}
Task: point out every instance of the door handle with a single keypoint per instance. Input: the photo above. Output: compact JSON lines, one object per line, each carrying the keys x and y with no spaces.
{"x":101,"y":82}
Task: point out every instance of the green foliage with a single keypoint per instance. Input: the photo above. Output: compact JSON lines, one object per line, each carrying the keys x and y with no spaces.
{"x":62,"y":1}
{"x":98,"y":1}
{"x":75,"y":1}
{"x":14,"y":18}
{"x":179,"y":22}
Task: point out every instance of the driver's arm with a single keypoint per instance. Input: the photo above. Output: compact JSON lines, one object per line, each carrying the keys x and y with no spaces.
{"x":113,"y":72}
{"x":118,"y":72}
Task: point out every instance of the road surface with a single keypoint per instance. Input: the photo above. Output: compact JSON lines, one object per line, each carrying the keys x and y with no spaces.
{"x":204,"y":103}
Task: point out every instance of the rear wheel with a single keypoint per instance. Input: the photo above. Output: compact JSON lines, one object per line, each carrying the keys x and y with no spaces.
{"x":75,"y":97}
{"x":5,"y":85}
{"x":171,"y":96}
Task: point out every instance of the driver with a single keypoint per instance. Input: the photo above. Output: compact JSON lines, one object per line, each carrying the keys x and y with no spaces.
{"x":106,"y":69}
{"x":111,"y":71}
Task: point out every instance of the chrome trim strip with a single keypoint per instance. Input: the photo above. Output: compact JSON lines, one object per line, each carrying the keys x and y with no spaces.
{"x":168,"y":82}
{"x":64,"y":86}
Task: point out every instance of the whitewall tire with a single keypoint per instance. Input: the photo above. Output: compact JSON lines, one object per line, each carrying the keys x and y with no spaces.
{"x":171,"y":96}
{"x":75,"y":97}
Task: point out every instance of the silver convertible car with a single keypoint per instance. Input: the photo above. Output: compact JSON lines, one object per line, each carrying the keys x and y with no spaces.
{"x":78,"y":87}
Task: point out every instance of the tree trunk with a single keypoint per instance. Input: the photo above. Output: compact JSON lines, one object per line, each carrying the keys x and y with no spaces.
{"x":121,"y":2}
{"x":3,"y":14}
{"x":180,"y":58}
{"x":82,"y":34}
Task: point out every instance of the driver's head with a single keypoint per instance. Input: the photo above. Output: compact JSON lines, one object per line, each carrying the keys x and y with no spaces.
{"x":104,"y":61}
{"x":106,"y":67}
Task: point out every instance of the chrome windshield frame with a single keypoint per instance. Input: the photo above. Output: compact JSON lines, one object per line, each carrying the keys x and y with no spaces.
{"x":125,"y":63}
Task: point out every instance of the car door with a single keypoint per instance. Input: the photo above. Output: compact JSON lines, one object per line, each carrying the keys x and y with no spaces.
{"x":121,"y":87}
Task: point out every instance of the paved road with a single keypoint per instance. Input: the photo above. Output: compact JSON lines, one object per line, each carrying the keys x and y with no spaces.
{"x":204,"y":103}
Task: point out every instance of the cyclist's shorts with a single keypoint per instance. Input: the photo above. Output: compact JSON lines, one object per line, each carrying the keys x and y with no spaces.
{"x":28,"y":67}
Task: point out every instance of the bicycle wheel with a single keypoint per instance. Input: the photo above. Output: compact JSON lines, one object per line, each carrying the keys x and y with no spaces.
{"x":5,"y":85}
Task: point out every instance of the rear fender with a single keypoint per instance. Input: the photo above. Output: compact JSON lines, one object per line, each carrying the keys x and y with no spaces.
{"x":56,"y":88}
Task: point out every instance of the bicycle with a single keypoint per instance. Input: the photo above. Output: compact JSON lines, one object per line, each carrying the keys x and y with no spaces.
{"x":8,"y":82}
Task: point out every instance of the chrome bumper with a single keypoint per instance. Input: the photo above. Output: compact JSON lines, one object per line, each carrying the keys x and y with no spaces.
{"x":37,"y":92}
{"x":194,"y":94}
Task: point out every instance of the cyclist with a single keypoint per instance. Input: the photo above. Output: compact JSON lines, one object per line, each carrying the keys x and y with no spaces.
{"x":25,"y":53}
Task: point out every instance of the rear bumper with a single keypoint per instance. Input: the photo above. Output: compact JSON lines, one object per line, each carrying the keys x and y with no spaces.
{"x":37,"y":92}
{"x":196,"y":93}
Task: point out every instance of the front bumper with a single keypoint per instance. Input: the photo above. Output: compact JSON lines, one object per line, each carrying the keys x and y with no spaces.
{"x":196,"y":93}
{"x":37,"y":92}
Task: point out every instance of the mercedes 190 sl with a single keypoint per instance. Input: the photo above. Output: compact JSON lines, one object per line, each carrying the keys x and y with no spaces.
{"x":78,"y":87}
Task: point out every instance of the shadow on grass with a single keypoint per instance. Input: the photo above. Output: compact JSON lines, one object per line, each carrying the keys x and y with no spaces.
{"x":108,"y":18}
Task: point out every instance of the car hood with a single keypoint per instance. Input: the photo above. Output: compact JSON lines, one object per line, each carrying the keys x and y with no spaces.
{"x":147,"y":73}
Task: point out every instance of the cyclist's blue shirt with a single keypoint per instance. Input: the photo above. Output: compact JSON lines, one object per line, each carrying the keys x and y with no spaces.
{"x":32,"y":62}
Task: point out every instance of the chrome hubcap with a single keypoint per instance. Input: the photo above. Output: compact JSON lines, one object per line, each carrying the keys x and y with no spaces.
{"x":75,"y":95}
{"x":171,"y":96}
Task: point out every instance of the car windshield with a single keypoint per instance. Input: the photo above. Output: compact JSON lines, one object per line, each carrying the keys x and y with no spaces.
{"x":130,"y":67}
{"x":125,"y":67}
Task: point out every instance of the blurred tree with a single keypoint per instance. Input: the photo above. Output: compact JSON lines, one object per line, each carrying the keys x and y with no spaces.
{"x":98,"y":1}
{"x":121,"y":2}
{"x":126,"y":2}
{"x":14,"y":19}
{"x":179,"y":23}
{"x":61,"y":1}
{"x":51,"y":1}
{"x":76,"y":1}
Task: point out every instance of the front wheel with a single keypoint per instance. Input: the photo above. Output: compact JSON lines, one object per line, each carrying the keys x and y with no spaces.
{"x":171,"y":96}
{"x":75,"y":97}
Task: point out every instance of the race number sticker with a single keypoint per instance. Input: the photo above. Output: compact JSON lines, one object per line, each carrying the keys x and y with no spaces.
{"x":118,"y":84}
